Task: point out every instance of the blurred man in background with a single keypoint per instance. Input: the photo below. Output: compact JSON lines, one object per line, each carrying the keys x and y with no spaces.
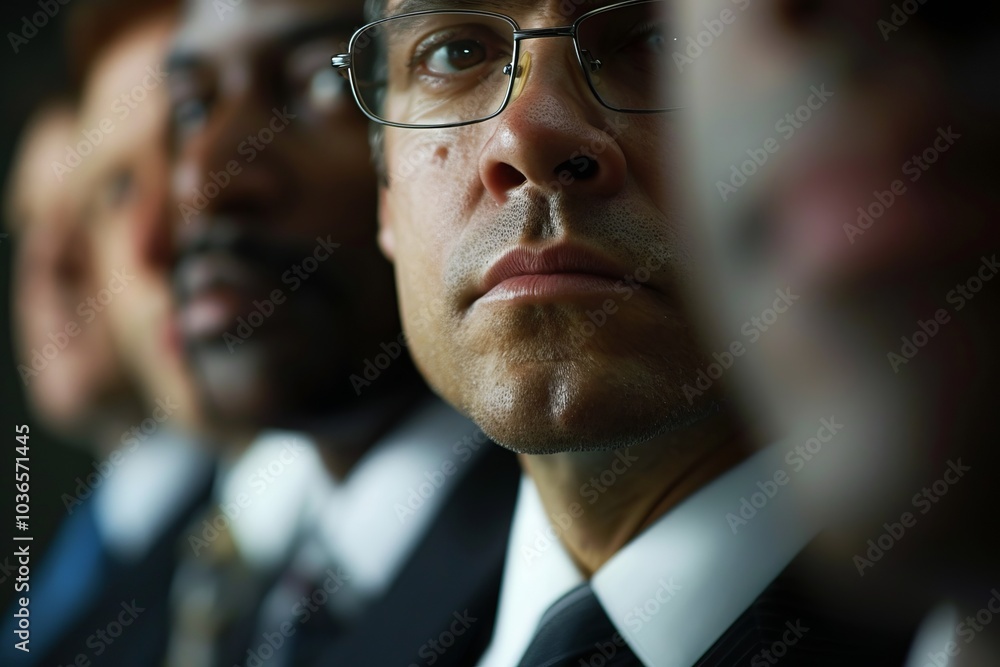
{"x":112,"y":562}
{"x":845,"y":151}
{"x":385,"y":530}
{"x":71,"y":372}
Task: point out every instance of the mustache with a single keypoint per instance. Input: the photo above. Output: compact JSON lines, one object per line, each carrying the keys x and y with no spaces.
{"x":246,"y":244}
{"x":254,"y":258}
{"x":631,"y":235}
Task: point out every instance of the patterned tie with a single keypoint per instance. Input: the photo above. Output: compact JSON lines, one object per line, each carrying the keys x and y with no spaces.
{"x":214,"y":597}
{"x":576,"y":630}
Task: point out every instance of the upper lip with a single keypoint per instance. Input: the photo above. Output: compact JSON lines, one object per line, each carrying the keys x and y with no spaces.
{"x":199,"y":274}
{"x":562,"y":258}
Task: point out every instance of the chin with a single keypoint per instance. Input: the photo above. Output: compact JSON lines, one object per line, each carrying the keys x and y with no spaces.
{"x":565,"y":406}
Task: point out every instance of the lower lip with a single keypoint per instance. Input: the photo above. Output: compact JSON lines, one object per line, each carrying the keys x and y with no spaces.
{"x":211,"y":314}
{"x":549,"y":287}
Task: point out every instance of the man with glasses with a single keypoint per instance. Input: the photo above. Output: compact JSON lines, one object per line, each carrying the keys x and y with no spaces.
{"x":529,"y":203}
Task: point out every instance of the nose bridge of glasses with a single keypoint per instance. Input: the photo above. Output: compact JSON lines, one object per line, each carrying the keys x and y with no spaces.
{"x":534,"y":33}
{"x":523,"y":34}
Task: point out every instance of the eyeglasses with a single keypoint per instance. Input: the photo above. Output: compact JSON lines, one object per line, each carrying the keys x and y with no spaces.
{"x":450,"y":68}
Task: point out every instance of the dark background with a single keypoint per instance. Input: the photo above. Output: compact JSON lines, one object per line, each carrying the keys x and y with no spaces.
{"x":36,"y":72}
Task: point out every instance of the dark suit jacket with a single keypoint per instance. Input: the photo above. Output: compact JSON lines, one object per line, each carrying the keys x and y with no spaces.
{"x":85,"y":601}
{"x":441,"y":608}
{"x":785,"y":626}
{"x":790,"y":627}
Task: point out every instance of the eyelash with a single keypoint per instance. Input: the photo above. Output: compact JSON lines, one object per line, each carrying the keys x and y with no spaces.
{"x":429,"y":46}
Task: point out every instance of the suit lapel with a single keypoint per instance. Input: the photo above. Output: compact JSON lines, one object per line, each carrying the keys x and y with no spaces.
{"x":447,"y":592}
{"x":786,"y":626}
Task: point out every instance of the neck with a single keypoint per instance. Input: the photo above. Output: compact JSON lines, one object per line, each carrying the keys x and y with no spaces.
{"x":611,"y":496}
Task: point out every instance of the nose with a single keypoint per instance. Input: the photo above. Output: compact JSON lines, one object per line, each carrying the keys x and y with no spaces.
{"x":555,"y":135}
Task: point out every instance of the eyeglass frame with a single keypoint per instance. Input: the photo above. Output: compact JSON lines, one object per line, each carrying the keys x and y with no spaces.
{"x":342,"y":61}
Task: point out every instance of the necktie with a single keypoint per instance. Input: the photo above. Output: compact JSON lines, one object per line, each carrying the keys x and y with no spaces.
{"x":214,"y":596}
{"x":576,"y":630}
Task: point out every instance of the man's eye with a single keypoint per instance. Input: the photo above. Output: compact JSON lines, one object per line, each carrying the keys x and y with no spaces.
{"x":187,"y":116}
{"x":455,"y":57}
{"x":650,"y":38}
{"x":117,"y":189}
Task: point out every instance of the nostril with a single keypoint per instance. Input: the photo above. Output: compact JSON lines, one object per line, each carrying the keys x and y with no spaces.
{"x":579,"y":168}
{"x":507,"y":177}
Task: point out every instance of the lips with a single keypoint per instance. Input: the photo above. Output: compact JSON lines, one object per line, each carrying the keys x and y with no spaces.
{"x":213,"y":290}
{"x":556,"y":273}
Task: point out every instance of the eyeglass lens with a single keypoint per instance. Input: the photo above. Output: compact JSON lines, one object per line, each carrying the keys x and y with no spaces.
{"x":451,"y":67}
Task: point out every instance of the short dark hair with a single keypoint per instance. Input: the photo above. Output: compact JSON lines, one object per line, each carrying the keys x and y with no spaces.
{"x":374,"y":10}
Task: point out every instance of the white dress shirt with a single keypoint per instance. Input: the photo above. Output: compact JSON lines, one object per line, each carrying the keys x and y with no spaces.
{"x":365,"y":526}
{"x":673,"y":590}
{"x":143,"y":494}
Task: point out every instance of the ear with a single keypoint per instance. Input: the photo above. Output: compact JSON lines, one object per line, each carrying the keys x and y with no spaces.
{"x":386,"y":231}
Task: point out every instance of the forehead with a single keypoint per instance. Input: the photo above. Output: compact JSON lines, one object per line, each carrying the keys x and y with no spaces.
{"x":124,"y":97}
{"x":213,"y":27}
{"x":34,"y":180}
{"x":565,"y":9}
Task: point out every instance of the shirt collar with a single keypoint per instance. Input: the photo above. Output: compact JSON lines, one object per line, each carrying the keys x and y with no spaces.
{"x":142,"y":489}
{"x":371,"y":522}
{"x":673,"y":590}
{"x":537,"y":572}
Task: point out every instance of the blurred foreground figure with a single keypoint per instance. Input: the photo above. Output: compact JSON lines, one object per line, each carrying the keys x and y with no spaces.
{"x":375,"y":523}
{"x":844,"y":153}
